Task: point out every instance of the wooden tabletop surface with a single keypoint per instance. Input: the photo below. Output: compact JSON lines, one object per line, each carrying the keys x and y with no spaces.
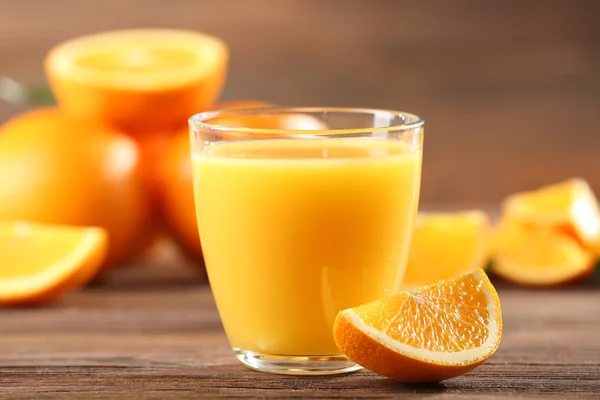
{"x":155,"y":333}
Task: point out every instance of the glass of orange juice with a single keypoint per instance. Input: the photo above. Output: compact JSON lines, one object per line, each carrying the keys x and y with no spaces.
{"x":297,"y":224}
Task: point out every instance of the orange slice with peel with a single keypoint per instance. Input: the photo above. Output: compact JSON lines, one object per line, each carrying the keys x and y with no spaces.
{"x":140,"y":80}
{"x":40,"y":262}
{"x":538,"y":256}
{"x":446,"y":245}
{"x":570,"y":205}
{"x":429,"y":334}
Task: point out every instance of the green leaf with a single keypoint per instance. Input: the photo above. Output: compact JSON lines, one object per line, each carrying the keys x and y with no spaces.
{"x":14,"y":92}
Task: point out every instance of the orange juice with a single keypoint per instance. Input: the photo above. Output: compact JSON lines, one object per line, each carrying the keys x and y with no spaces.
{"x":293,"y":231}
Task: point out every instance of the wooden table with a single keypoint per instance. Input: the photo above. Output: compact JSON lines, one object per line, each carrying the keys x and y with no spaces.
{"x":155,"y":334}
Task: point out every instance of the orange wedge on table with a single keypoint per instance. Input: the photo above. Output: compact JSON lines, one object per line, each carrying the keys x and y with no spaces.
{"x":429,"y":334}
{"x":570,"y":206}
{"x":40,"y":262}
{"x":446,"y":245}
{"x":141,"y":80}
{"x":547,"y":236}
{"x":538,"y":255}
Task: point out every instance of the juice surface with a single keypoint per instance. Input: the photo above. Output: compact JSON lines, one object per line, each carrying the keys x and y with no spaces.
{"x":293,"y":231}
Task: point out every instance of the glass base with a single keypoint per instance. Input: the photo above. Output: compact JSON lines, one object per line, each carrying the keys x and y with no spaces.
{"x":301,"y":365}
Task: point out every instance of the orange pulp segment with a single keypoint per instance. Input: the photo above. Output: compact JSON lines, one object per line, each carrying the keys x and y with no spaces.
{"x":428,"y":334}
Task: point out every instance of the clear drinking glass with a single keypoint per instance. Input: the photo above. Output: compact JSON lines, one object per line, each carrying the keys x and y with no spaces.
{"x":298,"y":224}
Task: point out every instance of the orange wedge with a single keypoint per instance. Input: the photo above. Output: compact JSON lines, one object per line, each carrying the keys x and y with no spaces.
{"x":40,"y":262}
{"x":141,"y":80}
{"x":538,"y":256}
{"x":429,"y":334}
{"x":446,"y":245}
{"x":569,"y":205}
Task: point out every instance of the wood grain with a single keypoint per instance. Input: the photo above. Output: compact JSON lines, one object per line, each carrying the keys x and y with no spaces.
{"x":147,"y":335}
{"x":510,"y":89}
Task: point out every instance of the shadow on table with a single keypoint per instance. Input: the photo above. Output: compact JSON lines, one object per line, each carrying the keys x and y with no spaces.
{"x":164,"y":268}
{"x":416,"y":388}
{"x":352,"y":382}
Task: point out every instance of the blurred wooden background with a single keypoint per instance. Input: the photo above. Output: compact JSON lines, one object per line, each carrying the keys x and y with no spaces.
{"x":510,"y":90}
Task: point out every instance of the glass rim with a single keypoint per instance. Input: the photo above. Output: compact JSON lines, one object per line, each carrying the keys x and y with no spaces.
{"x":199,"y":120}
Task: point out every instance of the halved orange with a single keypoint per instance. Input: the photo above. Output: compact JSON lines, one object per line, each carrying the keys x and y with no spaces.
{"x":40,"y":262}
{"x":429,"y":334}
{"x":445,"y":245}
{"x":538,"y":256}
{"x":177,"y":195}
{"x":569,"y":205}
{"x":140,"y":80}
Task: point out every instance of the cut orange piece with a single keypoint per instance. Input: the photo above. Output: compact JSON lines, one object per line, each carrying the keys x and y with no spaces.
{"x":40,"y":262}
{"x":142,"y":80}
{"x":538,"y":256}
{"x":429,"y":334}
{"x":445,"y":245}
{"x":569,"y":205}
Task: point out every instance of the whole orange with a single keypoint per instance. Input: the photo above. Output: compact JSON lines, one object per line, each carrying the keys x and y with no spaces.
{"x":265,"y":120}
{"x":177,"y":195}
{"x":55,"y":168}
{"x":152,"y":147}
